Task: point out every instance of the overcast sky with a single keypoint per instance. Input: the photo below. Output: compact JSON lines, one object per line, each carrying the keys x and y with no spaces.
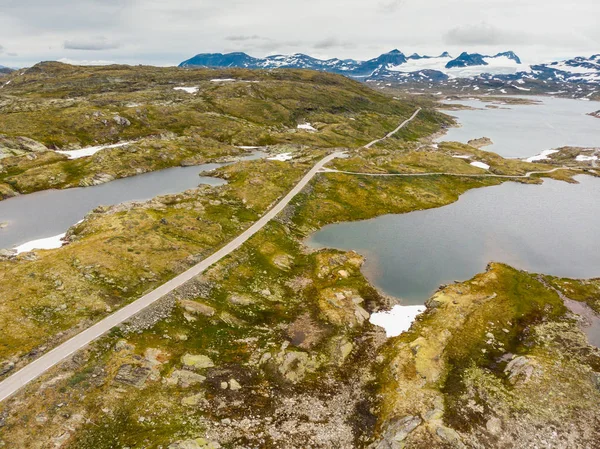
{"x":165,"y":32}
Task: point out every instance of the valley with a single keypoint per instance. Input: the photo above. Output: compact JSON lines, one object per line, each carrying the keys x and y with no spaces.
{"x":217,"y":315}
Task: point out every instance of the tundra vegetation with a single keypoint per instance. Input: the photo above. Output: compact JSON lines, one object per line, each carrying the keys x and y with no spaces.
{"x":272,"y":346}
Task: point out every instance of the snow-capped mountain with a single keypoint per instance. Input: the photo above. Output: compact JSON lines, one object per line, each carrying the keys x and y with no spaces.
{"x":394,"y":61}
{"x":502,"y":72}
{"x":578,"y":69}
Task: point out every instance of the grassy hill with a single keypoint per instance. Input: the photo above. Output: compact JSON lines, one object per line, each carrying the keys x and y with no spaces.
{"x":67,"y":107}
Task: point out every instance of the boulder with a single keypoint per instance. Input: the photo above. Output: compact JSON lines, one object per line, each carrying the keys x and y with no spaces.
{"x":343,"y":307}
{"x":397,"y":431}
{"x":135,"y":375}
{"x":519,"y":370}
{"x":121,"y":121}
{"x":184,"y":378}
{"x":494,"y":426}
{"x":197,"y":308}
{"x":6,"y":367}
{"x":196,"y":361}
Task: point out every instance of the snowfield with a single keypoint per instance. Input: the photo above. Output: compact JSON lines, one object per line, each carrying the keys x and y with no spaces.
{"x":89,"y":151}
{"x":46,"y":243}
{"x":540,"y":157}
{"x":397,"y":320}
{"x":281,"y":157}
{"x":496,"y":66}
{"x":480,"y":165}
{"x":584,"y":158}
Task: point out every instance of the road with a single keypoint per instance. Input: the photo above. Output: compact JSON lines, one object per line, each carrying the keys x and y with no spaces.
{"x":402,"y":125}
{"x":36,"y":368}
{"x":30,"y":372}
{"x":462,"y":175}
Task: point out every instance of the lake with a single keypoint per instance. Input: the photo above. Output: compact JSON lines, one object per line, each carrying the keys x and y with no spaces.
{"x":553,"y":229}
{"x":51,"y":212}
{"x":521,"y":131}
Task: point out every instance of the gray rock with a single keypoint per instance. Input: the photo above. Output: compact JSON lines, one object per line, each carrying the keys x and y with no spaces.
{"x":397,"y":431}
{"x":121,"y":121}
{"x":96,"y":180}
{"x":519,"y":369}
{"x":6,"y":254}
{"x":494,"y":426}
{"x":184,"y":378}
{"x":6,"y":367}
{"x":450,"y":436}
{"x":197,"y":308}
{"x":134,"y":375}
{"x":196,"y":361}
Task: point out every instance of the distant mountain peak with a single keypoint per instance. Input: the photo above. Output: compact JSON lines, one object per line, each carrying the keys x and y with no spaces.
{"x":510,"y":55}
{"x":466,"y":60}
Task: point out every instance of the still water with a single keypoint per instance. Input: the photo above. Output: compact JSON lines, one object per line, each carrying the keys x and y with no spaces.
{"x":553,"y":229}
{"x":521,"y":131}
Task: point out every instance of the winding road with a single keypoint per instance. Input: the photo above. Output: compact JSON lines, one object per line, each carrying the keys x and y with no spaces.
{"x":402,"y":125}
{"x":462,"y":175}
{"x":30,"y":372}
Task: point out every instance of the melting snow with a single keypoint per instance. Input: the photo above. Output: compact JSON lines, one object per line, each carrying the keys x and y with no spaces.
{"x":540,"y":157}
{"x":223,"y":80}
{"x":480,"y":165}
{"x":306,"y":126}
{"x":501,"y":65}
{"x":89,"y":151}
{"x":584,"y":158}
{"x":189,"y":90}
{"x":47,"y":243}
{"x":397,"y":320}
{"x":281,"y":157}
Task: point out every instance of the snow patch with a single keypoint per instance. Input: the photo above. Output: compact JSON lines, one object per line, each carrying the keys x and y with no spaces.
{"x":584,"y":158}
{"x":223,"y":80}
{"x":397,"y":320}
{"x":480,"y":165}
{"x":189,"y":90}
{"x":281,"y":157}
{"x":46,"y":243}
{"x":89,"y":151}
{"x":462,"y":156}
{"x":306,"y":126}
{"x":540,"y":157}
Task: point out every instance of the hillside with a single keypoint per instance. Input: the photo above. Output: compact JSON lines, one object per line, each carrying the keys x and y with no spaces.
{"x":171,"y":116}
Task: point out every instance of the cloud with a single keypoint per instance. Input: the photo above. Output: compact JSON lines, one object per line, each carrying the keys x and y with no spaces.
{"x":389,"y":6}
{"x":97,"y":44}
{"x":85,"y":62}
{"x":483,"y":34}
{"x":331,"y":42}
{"x":243,"y":38}
{"x":1,"y":49}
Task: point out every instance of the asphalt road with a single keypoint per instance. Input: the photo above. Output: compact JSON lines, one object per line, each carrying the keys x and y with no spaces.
{"x":13,"y":383}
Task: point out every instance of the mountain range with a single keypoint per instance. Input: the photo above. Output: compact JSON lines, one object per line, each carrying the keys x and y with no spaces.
{"x":504,"y":69}
{"x":393,"y":61}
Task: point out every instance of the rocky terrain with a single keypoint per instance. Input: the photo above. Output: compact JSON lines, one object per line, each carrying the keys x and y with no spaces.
{"x":272,"y":347}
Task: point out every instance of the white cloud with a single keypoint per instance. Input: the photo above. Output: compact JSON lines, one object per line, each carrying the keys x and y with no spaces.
{"x":97,"y":44}
{"x":160,"y":32}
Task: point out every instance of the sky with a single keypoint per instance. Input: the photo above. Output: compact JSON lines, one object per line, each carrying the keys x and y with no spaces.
{"x":166,"y":32}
